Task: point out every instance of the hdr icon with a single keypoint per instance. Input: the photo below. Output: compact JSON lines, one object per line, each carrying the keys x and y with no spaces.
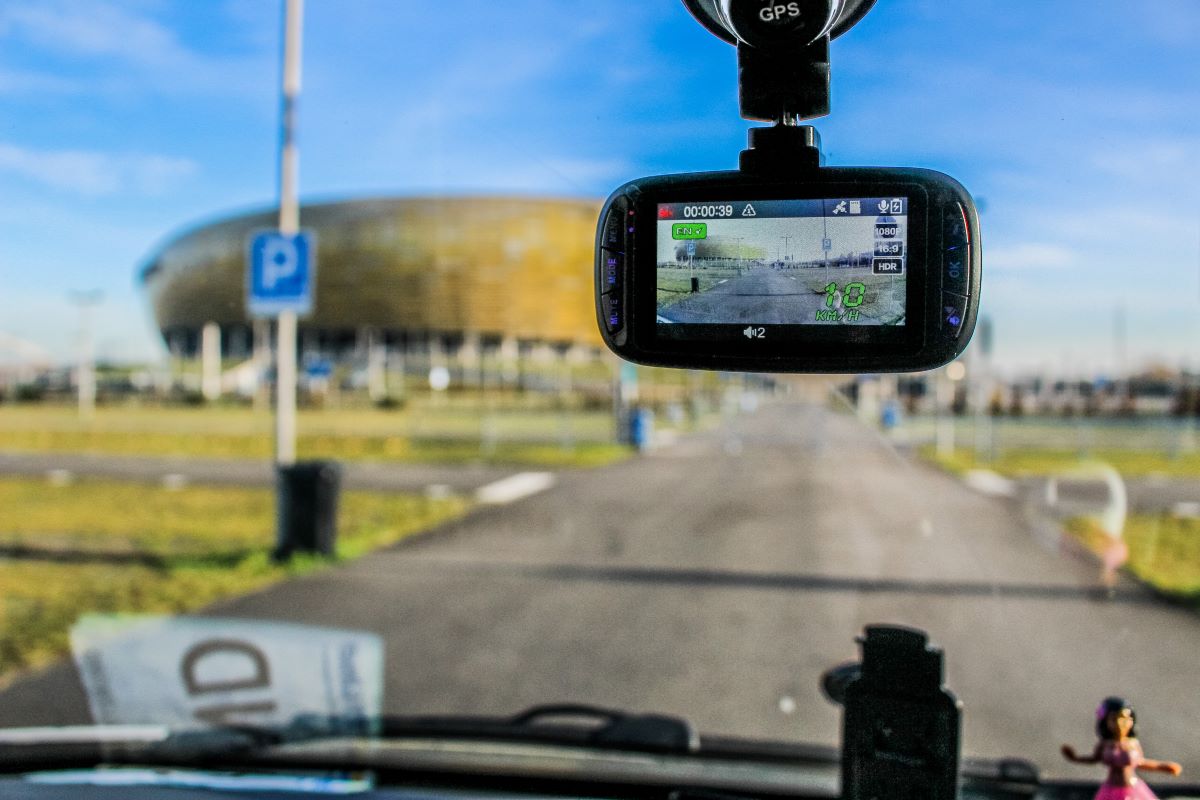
{"x":887,"y":266}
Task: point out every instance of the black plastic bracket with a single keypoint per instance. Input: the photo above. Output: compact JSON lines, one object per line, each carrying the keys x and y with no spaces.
{"x":782,"y":148}
{"x":901,"y":726}
{"x":776,"y":85}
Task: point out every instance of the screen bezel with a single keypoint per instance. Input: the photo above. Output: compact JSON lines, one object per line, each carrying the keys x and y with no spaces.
{"x":834,"y":340}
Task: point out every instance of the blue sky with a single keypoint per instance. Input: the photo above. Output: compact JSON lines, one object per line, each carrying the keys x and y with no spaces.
{"x":1077,"y":125}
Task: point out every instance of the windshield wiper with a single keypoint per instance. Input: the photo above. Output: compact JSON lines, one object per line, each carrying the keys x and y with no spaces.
{"x":29,"y":749}
{"x":572,"y":724}
{"x":596,"y":727}
{"x":575,"y":725}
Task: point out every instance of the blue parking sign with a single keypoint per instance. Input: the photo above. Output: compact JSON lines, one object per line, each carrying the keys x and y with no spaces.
{"x":281,"y":273}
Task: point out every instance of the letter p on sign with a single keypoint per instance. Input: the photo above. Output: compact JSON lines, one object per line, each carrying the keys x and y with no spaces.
{"x":279,"y":261}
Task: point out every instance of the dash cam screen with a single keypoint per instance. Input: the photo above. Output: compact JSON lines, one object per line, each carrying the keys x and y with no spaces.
{"x":754,"y":264}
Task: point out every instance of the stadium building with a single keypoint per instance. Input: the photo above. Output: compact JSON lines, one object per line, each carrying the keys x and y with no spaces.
{"x":420,"y":272}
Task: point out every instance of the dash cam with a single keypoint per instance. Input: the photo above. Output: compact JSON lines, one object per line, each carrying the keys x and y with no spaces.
{"x":786,"y":265}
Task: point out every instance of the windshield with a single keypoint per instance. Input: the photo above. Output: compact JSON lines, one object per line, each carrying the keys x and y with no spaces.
{"x":475,"y":508}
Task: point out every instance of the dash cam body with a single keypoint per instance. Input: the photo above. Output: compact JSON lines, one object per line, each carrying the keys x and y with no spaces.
{"x":786,"y":265}
{"x":847,"y":270}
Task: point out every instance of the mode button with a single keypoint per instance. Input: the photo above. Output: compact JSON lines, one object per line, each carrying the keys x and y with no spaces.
{"x":612,"y":271}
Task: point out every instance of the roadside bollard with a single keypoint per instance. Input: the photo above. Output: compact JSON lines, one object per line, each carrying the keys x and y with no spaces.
{"x":641,"y":429}
{"x":306,"y":513}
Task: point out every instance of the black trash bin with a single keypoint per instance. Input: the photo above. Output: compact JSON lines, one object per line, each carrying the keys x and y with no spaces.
{"x":307,"y":508}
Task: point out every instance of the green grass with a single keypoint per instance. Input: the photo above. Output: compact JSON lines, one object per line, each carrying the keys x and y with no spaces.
{"x":450,"y":432}
{"x":676,"y":284}
{"x":1081,"y":435}
{"x":202,"y":544}
{"x":336,"y":447}
{"x":1029,"y":461}
{"x":1164,"y":551}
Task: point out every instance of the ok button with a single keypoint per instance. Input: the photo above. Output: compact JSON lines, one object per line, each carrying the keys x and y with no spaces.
{"x":956,"y":258}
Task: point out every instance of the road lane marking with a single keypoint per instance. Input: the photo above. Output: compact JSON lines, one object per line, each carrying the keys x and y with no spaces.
{"x":665,"y":438}
{"x":514,"y":488}
{"x":173,"y":481}
{"x":60,"y":477}
{"x":990,"y":483}
{"x":1186,"y":510}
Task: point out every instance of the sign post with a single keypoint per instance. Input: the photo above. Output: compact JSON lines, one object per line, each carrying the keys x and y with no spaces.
{"x":280,"y":285}
{"x":281,"y":279}
{"x":289,"y":225}
{"x":280,"y":275}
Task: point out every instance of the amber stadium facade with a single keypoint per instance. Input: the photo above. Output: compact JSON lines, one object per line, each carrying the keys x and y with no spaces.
{"x":485,"y":271}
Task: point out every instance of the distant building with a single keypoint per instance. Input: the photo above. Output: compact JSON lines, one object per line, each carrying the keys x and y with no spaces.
{"x":455,"y":271}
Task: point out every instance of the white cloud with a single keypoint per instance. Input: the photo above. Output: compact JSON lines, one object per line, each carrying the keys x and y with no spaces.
{"x":1031,"y":256}
{"x":586,"y":171}
{"x":126,"y":50}
{"x":1172,"y":22}
{"x":530,"y":172}
{"x":41,"y":326}
{"x":95,"y":173}
{"x":21,"y":82}
{"x":92,"y":29}
{"x":1156,"y":163}
{"x":1126,"y":225}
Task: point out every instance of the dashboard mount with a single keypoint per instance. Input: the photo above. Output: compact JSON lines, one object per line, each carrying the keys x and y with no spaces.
{"x":901,"y":727}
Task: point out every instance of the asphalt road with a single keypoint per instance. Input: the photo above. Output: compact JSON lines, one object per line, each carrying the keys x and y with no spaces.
{"x":247,"y":472}
{"x":761,"y":297}
{"x":1145,"y":495}
{"x":718,"y":578}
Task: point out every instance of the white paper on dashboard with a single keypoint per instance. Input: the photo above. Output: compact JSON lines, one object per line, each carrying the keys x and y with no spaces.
{"x":196,"y":671}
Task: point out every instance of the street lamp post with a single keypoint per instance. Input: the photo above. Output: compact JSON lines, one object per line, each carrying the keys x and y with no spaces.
{"x":85,"y":375}
{"x":947,"y":388}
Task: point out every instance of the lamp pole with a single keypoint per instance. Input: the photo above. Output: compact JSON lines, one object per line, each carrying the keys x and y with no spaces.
{"x":85,"y":376}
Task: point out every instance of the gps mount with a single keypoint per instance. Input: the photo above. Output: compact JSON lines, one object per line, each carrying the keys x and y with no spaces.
{"x":783,"y":70}
{"x":783,"y":51}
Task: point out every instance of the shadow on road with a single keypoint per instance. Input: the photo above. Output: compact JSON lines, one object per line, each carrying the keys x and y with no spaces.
{"x":21,"y":552}
{"x":727,"y":579}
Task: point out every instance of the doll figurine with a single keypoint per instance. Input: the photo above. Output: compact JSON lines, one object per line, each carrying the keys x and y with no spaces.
{"x":1119,"y":750}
